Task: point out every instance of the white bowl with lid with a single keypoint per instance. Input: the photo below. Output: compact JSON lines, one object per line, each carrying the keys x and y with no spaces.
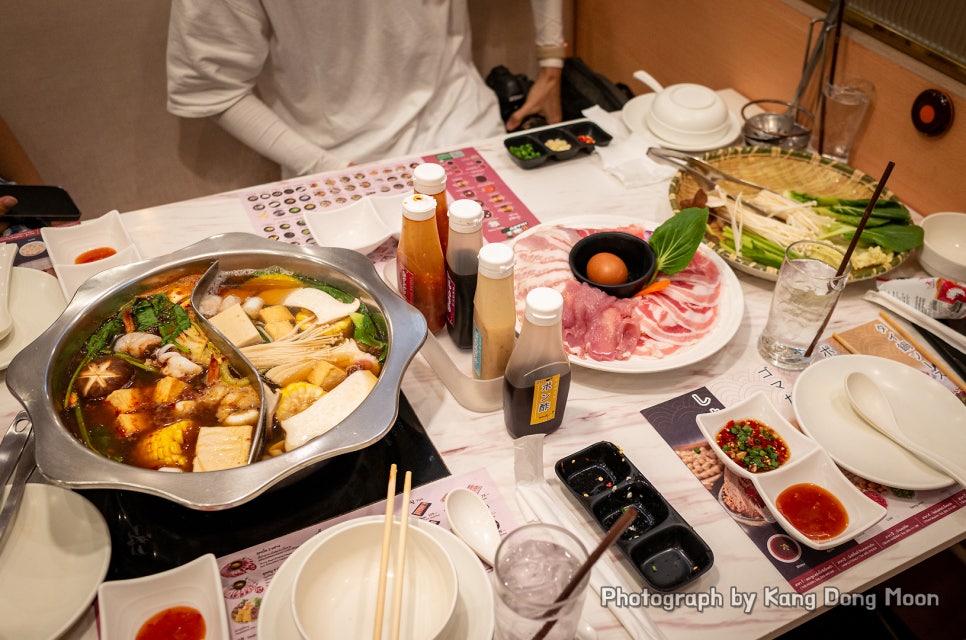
{"x":688,"y":114}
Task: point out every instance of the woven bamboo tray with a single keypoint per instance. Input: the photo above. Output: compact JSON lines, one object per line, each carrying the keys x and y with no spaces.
{"x":781,"y":169}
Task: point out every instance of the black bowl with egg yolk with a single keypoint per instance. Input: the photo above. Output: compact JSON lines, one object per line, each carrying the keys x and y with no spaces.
{"x":636,"y":254}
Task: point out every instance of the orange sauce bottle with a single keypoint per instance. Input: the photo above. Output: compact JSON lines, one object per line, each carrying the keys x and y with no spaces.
{"x":420,"y":267}
{"x":430,"y":179}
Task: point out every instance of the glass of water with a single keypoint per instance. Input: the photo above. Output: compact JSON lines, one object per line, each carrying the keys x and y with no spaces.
{"x":805,"y":294}
{"x":534,"y":563}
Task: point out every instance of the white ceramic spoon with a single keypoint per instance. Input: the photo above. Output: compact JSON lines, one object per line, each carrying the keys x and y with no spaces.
{"x":8,"y":251}
{"x":871,"y":403}
{"x":471,"y":521}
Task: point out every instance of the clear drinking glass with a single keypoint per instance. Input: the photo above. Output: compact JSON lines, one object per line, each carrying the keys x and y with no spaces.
{"x":845,"y":108}
{"x":533,"y":565}
{"x":805,"y":293}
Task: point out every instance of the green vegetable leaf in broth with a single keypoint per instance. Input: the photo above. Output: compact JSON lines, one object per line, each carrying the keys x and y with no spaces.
{"x":677,"y":239}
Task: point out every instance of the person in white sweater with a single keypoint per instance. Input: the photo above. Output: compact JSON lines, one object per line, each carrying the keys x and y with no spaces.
{"x":316,"y":85}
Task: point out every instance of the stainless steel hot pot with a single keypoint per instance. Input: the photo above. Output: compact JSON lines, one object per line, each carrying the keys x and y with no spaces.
{"x":38,"y":375}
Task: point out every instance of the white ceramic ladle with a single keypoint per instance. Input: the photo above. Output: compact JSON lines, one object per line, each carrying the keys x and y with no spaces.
{"x":8,"y":251}
{"x":871,"y":403}
{"x":471,"y":521}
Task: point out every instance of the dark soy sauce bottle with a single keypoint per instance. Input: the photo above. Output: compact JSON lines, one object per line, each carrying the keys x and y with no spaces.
{"x":462,"y":264}
{"x":537,"y":379}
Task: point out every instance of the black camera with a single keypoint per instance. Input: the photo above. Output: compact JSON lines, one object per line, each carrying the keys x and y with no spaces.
{"x":511,"y":91}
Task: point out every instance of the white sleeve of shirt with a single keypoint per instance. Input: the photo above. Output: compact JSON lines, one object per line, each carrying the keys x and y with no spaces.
{"x":548,"y":24}
{"x":251,"y":121}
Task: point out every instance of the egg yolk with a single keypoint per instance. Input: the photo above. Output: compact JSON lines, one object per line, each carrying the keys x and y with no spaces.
{"x":606,"y":268}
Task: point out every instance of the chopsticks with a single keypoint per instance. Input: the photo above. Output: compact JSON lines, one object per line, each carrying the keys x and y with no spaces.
{"x":955,"y":379}
{"x":397,"y":587}
{"x":397,"y":590}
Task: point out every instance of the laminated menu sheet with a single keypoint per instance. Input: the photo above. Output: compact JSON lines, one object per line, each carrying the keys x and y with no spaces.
{"x":277,"y":210}
{"x":247,"y":573}
{"x":908,"y":510}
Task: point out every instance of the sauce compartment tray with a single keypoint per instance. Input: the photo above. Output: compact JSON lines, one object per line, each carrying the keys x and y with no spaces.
{"x":660,"y":545}
{"x":575,"y":138}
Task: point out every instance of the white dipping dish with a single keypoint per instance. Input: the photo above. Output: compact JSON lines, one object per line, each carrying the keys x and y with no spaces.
{"x":807,"y":463}
{"x":943,"y":253}
{"x":334,"y":595}
{"x":819,"y":469}
{"x":362,"y":225}
{"x":125,"y":605}
{"x":824,"y":412}
{"x":56,"y":555}
{"x":35,"y":302}
{"x":66,"y":243}
{"x":756,"y":407}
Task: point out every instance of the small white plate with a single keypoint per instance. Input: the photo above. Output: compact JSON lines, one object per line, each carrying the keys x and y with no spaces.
{"x":634,"y":114}
{"x":125,"y":605}
{"x":817,"y":468}
{"x":358,"y":226}
{"x":807,"y":463}
{"x":65,"y":244}
{"x":35,"y":302}
{"x":56,"y":555}
{"x":756,"y":407}
{"x":472,"y":619}
{"x":824,"y":413}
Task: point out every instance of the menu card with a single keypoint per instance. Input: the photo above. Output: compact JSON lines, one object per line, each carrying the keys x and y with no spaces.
{"x":803,"y":567}
{"x":246,"y":574}
{"x":276,"y":211}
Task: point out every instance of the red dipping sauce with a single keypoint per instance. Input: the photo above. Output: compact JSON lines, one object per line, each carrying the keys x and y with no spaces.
{"x":93,"y":255}
{"x":813,"y":510}
{"x":174,"y":623}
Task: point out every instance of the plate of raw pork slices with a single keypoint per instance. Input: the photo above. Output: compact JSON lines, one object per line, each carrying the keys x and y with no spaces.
{"x":691,"y":319}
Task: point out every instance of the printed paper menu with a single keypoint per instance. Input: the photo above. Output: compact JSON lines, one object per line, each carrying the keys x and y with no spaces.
{"x":804,"y":568}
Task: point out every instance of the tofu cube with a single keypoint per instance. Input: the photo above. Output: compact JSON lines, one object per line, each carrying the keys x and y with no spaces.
{"x":278,"y":329}
{"x":131,"y":424}
{"x":127,"y":400}
{"x":235,"y":324}
{"x":168,"y":389}
{"x":276,"y":313}
{"x":326,"y":375}
{"x":222,"y":448}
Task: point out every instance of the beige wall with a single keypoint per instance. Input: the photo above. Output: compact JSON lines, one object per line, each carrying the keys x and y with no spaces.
{"x":756,"y":47}
{"x":84,"y":90}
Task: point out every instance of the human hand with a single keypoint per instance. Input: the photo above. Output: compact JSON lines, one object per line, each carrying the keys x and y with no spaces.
{"x":543,"y":99}
{"x":7,"y":203}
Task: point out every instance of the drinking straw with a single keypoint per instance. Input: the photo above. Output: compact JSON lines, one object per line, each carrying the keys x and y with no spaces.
{"x":384,"y":560}
{"x":848,"y":252}
{"x":613,"y":533}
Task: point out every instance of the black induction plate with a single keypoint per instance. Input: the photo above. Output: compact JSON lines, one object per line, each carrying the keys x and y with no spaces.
{"x":150,"y":534}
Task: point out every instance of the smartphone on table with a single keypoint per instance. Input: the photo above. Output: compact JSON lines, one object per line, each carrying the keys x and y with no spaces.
{"x":39,"y":205}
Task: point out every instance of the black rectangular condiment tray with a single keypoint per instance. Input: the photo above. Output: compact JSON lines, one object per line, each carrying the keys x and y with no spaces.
{"x":660,"y":544}
{"x":579,"y":137}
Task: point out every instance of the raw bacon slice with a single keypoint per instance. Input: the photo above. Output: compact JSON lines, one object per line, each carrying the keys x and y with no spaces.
{"x":603,"y":328}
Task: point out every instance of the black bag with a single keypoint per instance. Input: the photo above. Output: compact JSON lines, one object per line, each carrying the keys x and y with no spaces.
{"x":581,"y":87}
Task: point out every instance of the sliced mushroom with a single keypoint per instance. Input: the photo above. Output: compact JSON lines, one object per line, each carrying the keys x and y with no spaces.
{"x":102,"y":376}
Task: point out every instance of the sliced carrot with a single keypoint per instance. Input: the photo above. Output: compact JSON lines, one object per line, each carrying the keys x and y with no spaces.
{"x":654,"y":287}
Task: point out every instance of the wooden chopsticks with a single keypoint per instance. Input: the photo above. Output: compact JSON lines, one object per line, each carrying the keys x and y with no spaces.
{"x":936,"y":361}
{"x":397,"y":591}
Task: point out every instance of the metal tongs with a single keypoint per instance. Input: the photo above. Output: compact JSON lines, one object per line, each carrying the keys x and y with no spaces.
{"x":16,"y":460}
{"x":706,"y":175}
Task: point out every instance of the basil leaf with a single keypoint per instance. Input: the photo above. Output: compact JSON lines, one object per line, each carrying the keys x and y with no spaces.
{"x":677,"y":239}
{"x":367,"y":334}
